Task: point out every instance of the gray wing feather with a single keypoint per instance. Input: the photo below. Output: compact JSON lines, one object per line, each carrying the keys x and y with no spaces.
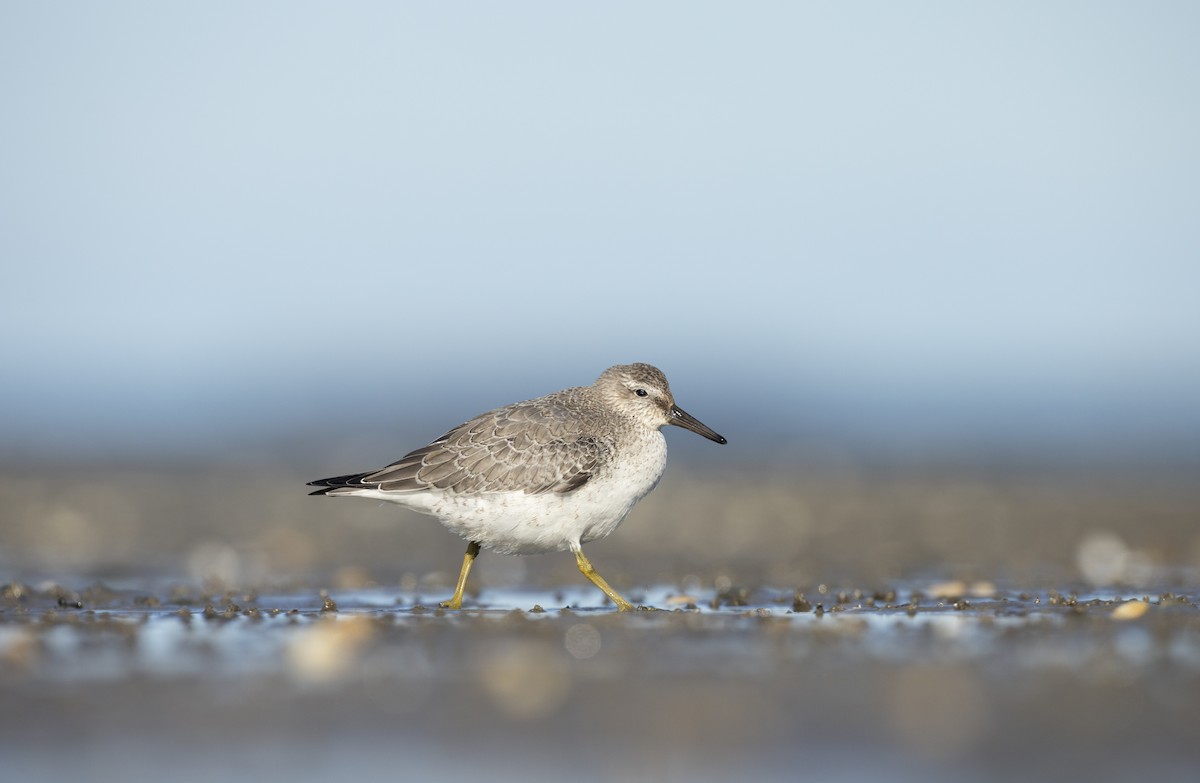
{"x":530,"y":447}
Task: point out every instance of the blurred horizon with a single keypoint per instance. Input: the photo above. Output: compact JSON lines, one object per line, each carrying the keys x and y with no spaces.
{"x":843,"y":233}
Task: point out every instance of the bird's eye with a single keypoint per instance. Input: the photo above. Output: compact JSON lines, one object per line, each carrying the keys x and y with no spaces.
{"x":640,"y":392}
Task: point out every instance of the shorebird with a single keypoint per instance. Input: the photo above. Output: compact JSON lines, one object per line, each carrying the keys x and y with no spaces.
{"x":548,"y":474}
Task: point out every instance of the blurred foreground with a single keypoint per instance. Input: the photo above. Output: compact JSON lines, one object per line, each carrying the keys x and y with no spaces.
{"x":207,"y":624}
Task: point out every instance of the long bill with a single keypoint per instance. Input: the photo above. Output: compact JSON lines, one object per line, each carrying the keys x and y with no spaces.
{"x":681,"y":418}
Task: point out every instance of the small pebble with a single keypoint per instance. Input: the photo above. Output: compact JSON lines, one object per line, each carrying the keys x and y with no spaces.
{"x":1130,"y":610}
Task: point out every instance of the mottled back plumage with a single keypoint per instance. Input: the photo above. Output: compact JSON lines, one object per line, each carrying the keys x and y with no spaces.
{"x":550,"y":444}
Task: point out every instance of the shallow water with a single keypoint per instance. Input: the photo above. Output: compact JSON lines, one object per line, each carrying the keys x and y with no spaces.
{"x":915,"y":681}
{"x":217,"y":623}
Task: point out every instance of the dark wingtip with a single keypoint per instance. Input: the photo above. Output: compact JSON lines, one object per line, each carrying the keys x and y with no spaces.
{"x":327,"y":485}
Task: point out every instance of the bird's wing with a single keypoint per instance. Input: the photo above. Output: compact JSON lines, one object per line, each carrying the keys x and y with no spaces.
{"x":532,"y":447}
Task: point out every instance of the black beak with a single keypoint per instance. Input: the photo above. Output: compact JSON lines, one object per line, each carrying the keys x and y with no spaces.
{"x":681,"y":418}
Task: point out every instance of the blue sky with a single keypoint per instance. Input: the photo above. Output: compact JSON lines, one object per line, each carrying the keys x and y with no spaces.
{"x":842,"y":218}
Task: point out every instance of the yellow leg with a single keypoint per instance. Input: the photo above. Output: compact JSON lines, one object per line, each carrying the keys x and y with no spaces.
{"x":586,"y":568}
{"x":468,"y":559}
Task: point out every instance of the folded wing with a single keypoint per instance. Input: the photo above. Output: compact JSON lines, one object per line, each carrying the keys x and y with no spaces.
{"x":531,"y":448}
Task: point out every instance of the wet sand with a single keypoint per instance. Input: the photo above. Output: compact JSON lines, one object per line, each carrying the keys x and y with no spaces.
{"x":840,"y":628}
